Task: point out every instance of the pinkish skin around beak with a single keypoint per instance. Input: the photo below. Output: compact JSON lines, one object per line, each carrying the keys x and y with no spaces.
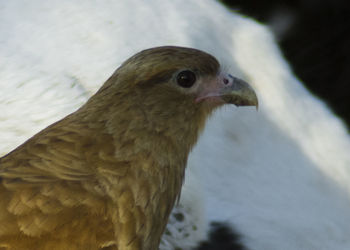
{"x":229,"y":89}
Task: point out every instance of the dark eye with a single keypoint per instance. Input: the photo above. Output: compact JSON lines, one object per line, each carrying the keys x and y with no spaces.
{"x":186,"y":78}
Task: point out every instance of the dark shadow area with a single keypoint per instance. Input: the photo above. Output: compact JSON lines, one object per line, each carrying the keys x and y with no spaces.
{"x":223,"y":237}
{"x":316,"y":42}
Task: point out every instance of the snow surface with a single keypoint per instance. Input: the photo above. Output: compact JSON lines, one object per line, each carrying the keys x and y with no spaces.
{"x":280,"y":176}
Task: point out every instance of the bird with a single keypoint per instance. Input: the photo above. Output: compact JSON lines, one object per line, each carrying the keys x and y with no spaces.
{"x":107,"y":175}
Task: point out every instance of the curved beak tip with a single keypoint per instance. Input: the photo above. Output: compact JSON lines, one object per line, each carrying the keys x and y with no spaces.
{"x":240,"y":93}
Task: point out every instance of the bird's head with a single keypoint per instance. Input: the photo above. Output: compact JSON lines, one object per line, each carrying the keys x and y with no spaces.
{"x":185,"y":73}
{"x":181,"y":77}
{"x":171,"y":89}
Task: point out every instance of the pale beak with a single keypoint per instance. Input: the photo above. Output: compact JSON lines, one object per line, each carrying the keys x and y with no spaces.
{"x":226,"y":88}
{"x":239,"y":93}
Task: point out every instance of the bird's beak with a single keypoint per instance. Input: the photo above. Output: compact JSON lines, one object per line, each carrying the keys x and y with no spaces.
{"x":239,"y":93}
{"x":229,"y":89}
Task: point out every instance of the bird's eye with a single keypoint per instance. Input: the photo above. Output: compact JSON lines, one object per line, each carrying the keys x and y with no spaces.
{"x":186,"y":78}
